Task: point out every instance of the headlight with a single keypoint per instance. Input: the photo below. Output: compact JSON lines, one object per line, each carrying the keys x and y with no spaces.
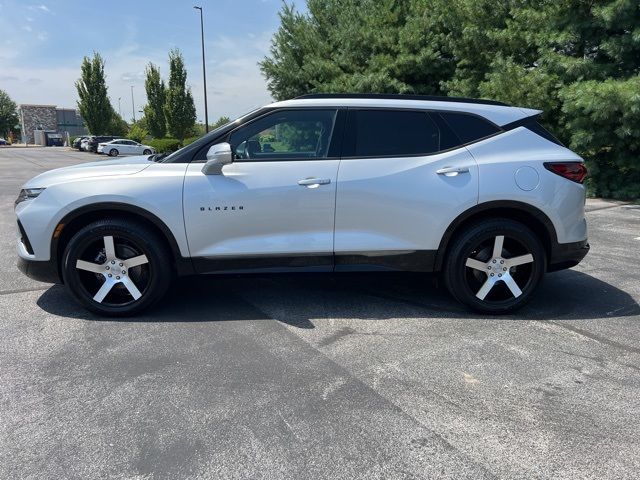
{"x":28,"y":194}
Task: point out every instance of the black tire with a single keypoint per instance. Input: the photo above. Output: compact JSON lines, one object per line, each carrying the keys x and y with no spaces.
{"x":113,"y":152}
{"x":476,"y":245}
{"x":146,"y":152}
{"x":151,"y":278}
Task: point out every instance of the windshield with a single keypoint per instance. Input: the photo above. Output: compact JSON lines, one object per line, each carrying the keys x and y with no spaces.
{"x":212,"y":133}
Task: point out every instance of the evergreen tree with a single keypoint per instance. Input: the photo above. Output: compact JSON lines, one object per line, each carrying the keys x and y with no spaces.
{"x":577,"y":60}
{"x":179,"y":110}
{"x":156,"y":100}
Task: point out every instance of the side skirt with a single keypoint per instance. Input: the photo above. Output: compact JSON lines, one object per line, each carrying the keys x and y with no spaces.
{"x":395,"y":261}
{"x":385,"y":261}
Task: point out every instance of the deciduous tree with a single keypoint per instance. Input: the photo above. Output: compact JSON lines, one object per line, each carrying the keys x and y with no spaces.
{"x":8,"y":114}
{"x":156,"y":100}
{"x":179,"y":110}
{"x":118,"y":127}
{"x":220,"y":122}
{"x":94,"y":105}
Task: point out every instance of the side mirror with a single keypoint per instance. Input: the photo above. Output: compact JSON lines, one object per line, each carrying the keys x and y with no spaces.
{"x":218,"y":156}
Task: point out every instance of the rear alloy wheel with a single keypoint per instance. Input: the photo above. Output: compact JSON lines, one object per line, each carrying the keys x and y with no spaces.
{"x":113,"y":152}
{"x":495,"y":266}
{"x":116,"y":267}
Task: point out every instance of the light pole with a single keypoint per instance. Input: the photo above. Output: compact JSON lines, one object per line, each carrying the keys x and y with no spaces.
{"x":133,"y":106}
{"x":204,"y":74}
{"x":119,"y":107}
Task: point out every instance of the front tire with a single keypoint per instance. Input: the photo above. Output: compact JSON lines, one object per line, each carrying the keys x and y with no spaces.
{"x":146,"y":152}
{"x":113,"y":152}
{"x":116,"y":267}
{"x":495,"y":266}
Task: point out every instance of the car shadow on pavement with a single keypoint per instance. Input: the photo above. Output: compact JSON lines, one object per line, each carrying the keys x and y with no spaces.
{"x":300,"y":300}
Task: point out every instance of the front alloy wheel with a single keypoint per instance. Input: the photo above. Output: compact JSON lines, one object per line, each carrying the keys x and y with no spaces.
{"x":116,"y":267}
{"x":495,"y":266}
{"x":120,"y":279}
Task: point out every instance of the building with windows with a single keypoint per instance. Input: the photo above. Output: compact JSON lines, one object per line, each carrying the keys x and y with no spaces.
{"x":49,"y":118}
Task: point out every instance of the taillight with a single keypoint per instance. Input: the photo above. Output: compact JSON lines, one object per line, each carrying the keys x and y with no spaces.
{"x":574,"y":171}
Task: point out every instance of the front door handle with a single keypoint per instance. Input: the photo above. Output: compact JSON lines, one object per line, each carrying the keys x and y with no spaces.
{"x":314,"y":182}
{"x":452,"y":171}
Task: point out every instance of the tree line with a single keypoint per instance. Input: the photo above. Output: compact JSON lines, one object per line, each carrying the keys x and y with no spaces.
{"x":577,"y":60}
{"x":170,"y":109}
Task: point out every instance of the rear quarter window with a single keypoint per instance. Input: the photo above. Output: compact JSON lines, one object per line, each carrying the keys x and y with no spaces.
{"x":535,"y":127}
{"x":469,"y":128}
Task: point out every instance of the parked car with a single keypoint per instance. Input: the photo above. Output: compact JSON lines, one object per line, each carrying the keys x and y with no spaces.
{"x":94,"y":141}
{"x":477,"y":191}
{"x":77,"y":142}
{"x":54,"y":139}
{"x":3,"y":141}
{"x":123,"y":146}
{"x":84,"y":144}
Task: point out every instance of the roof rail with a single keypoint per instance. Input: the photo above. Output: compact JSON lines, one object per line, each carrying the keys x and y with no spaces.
{"x":399,"y":96}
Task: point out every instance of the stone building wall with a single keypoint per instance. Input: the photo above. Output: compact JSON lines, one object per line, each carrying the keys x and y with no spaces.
{"x":36,"y":117}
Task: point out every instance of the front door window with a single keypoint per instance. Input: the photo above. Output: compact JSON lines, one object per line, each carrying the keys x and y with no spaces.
{"x":285,"y":135}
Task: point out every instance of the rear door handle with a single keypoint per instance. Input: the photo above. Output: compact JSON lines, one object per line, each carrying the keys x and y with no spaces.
{"x":314,"y":182}
{"x":452,"y":171}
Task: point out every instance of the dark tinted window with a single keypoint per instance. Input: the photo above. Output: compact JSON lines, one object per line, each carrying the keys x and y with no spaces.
{"x":394,"y":132}
{"x":469,"y":128}
{"x":543,"y":132}
{"x":448,"y":139}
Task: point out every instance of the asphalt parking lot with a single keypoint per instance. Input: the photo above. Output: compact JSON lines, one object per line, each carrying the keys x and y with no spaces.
{"x":293,"y":376}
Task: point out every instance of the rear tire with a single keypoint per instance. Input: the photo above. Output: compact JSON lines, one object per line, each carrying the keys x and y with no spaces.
{"x":495,"y":266}
{"x":116,"y":267}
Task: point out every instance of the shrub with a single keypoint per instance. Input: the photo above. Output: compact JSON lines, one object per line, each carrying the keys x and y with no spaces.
{"x":165,"y":145}
{"x":137,"y":133}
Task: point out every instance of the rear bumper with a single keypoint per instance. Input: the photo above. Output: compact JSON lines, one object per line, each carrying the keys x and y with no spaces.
{"x":567,"y":255}
{"x":42,"y":271}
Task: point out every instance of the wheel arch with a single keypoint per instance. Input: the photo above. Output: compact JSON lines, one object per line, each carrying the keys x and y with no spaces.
{"x":76,"y":219}
{"x":522,"y":212}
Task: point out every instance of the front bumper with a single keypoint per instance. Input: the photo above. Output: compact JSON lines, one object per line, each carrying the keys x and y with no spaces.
{"x":42,"y":271}
{"x":567,"y":255}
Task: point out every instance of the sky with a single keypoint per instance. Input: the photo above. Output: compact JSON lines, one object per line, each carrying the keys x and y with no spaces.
{"x":42,"y":44}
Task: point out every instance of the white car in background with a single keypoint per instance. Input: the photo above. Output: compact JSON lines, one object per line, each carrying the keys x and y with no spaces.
{"x":124,"y":146}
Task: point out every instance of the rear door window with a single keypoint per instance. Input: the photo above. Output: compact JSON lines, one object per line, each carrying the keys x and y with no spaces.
{"x":384,"y":133}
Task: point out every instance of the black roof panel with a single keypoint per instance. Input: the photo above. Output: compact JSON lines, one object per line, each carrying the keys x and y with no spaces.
{"x":395,"y":96}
